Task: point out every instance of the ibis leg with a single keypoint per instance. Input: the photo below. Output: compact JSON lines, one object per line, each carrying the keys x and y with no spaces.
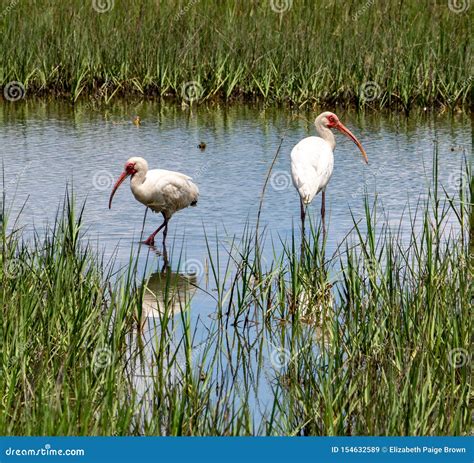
{"x":165,"y":232}
{"x":303,"y":215}
{"x":323,"y":213}
{"x":150,"y":241}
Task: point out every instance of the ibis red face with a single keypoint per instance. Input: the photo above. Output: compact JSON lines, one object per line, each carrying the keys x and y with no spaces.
{"x":129,"y":170}
{"x":334,"y":122}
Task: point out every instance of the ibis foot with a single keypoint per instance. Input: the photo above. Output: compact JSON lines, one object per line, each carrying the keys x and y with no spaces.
{"x":150,"y":241}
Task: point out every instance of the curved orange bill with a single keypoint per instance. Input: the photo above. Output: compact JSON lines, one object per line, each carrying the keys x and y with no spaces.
{"x":120,"y":180}
{"x":342,"y":128}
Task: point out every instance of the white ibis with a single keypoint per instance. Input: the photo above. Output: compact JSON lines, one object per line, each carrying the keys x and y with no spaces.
{"x":312,"y":161}
{"x":163,"y":191}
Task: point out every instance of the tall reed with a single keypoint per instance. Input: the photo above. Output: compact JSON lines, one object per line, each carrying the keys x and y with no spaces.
{"x":396,"y":54}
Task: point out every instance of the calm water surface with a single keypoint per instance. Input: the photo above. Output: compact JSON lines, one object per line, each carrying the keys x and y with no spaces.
{"x":47,"y":146}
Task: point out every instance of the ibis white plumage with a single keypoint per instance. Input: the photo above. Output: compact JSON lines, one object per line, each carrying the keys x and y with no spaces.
{"x":163,"y":191}
{"x":312,"y":161}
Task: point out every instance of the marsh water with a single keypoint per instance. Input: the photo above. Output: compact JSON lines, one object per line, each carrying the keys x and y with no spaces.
{"x":47,"y":147}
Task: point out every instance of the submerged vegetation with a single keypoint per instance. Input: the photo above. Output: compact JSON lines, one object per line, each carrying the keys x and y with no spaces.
{"x":372,"y":340}
{"x":397,"y":54}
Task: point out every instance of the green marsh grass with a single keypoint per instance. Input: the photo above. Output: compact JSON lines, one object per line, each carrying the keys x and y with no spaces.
{"x":374,"y":339}
{"x":397,"y":54}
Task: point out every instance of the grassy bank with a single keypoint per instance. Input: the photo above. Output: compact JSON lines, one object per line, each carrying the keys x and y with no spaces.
{"x":372,"y":340}
{"x":395,"y":54}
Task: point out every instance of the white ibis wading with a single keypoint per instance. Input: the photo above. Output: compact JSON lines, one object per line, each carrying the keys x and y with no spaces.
{"x":312,"y":162}
{"x":163,"y":191}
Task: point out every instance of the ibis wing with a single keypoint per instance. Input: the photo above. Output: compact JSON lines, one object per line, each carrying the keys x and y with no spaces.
{"x":311,"y":167}
{"x":172,"y":191}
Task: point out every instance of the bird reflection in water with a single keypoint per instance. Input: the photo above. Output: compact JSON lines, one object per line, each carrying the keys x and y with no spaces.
{"x":167,"y":293}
